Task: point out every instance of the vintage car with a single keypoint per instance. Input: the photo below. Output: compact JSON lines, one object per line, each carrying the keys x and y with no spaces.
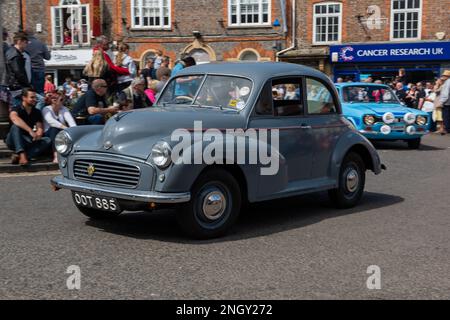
{"x":135,"y":163}
{"x":375,"y":111}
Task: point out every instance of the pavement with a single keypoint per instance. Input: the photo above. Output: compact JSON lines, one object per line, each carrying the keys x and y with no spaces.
{"x":43,"y":164}
{"x":298,"y":248}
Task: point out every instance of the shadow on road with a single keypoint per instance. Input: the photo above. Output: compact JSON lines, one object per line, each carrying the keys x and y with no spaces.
{"x":259,"y":220}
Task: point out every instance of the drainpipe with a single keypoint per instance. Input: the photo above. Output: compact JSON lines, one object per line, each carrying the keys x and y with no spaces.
{"x":293,"y":26}
{"x":20,"y":15}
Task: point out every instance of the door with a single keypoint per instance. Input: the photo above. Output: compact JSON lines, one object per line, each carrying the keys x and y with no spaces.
{"x":281,"y":108}
{"x":327,"y":126}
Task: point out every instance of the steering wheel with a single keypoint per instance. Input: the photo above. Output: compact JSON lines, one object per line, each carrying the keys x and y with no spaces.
{"x":189,"y":99}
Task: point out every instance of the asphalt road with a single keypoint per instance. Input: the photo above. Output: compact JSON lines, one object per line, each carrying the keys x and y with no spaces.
{"x":299,"y":248}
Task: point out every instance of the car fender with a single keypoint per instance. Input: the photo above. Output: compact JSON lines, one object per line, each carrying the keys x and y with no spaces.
{"x":352,"y":140}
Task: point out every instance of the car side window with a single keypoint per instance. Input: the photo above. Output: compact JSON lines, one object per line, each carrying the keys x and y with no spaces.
{"x":287,"y":97}
{"x":319,"y":98}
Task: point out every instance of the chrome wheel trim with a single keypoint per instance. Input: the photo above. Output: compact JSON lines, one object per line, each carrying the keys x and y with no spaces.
{"x":352,"y":180}
{"x":214,"y":205}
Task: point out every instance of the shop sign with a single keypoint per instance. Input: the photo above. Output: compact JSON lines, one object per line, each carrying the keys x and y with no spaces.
{"x":420,"y":51}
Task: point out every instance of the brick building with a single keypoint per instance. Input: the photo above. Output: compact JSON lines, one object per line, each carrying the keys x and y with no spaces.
{"x":357,"y":39}
{"x":209,"y":30}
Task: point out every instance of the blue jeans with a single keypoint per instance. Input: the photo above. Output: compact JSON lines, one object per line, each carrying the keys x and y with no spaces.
{"x":38,"y":81}
{"x":96,"y":119}
{"x":432,"y":127}
{"x":19,"y":142}
{"x":446,"y":118}
{"x":51,"y":133}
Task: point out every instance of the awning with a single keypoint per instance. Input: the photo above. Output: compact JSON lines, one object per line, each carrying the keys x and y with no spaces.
{"x":69,"y":58}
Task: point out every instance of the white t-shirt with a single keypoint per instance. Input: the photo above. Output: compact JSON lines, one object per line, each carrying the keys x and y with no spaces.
{"x":428,"y":106}
{"x":53,"y":120}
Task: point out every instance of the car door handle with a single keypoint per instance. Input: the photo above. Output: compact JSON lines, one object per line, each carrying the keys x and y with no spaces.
{"x":305,"y":127}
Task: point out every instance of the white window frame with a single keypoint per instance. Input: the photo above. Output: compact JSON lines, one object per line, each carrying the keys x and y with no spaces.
{"x":406,"y":11}
{"x":238,"y":14}
{"x":161,"y":17}
{"x":327,"y":15}
{"x":78,"y":6}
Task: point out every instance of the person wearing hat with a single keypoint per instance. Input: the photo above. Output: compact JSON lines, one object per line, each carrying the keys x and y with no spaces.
{"x":444,"y":99}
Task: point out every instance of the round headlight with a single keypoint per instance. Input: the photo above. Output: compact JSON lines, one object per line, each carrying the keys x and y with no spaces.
{"x":63,"y":143}
{"x":161,"y":154}
{"x":369,"y":120}
{"x":410,"y":130}
{"x":409,"y":118}
{"x":388,"y":118}
{"x":385,"y":130}
{"x":421,"y":120}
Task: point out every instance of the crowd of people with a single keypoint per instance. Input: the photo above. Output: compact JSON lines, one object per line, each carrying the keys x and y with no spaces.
{"x":432,"y":97}
{"x":39,"y":109}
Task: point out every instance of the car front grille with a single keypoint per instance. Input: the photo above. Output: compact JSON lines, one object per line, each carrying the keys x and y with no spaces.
{"x":107,"y":173}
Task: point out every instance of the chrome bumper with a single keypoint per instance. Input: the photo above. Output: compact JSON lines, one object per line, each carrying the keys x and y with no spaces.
{"x":60,"y":182}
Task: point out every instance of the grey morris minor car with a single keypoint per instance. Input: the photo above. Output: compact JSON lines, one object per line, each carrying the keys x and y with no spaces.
{"x":273,"y":135}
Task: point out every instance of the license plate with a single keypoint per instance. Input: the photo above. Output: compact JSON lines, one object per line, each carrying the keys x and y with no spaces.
{"x":398,"y":128}
{"x":96,"y":202}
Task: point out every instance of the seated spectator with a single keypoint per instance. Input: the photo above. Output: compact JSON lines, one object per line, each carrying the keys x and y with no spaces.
{"x":26,"y":136}
{"x":56,"y":118}
{"x":134,"y":94}
{"x":92,"y":105}
{"x":152,"y":91}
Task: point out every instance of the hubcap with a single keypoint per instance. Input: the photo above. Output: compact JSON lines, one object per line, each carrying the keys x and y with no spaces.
{"x":214,"y":205}
{"x":352,"y":180}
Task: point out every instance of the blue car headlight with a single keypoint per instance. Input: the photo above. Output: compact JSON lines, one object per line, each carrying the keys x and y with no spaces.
{"x":63,"y":143}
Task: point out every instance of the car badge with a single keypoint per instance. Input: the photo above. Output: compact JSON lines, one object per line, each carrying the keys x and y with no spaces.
{"x":91,"y":170}
{"x":108,"y":145}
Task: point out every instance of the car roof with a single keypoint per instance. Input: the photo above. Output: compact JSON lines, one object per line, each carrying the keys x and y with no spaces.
{"x":255,"y":70}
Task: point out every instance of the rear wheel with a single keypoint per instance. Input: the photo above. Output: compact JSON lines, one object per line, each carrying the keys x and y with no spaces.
{"x":214,"y":206}
{"x":352,"y":178}
{"x":97,"y":214}
{"x":414,"y":143}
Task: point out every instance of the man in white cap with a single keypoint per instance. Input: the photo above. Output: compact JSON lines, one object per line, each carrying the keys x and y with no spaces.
{"x":445,"y":100}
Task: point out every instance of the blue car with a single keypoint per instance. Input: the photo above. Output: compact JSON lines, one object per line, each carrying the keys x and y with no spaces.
{"x":376,"y":112}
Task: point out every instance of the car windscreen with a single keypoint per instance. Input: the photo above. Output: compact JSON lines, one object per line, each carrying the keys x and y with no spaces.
{"x":214,"y":91}
{"x":368,"y":94}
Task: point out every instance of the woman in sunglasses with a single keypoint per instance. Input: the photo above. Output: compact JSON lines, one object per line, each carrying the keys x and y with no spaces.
{"x":56,"y":118}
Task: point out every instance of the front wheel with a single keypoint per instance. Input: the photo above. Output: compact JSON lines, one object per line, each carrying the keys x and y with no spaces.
{"x":97,"y":214}
{"x":352,"y":178}
{"x":414,"y":143}
{"x":214,"y":207}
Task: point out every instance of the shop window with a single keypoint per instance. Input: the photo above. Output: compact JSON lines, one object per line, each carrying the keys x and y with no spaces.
{"x":71,"y":25}
{"x":319,"y":97}
{"x":249,"y":12}
{"x":249,"y":55}
{"x":150,"y":14}
{"x":327,"y":23}
{"x":406,"y":19}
